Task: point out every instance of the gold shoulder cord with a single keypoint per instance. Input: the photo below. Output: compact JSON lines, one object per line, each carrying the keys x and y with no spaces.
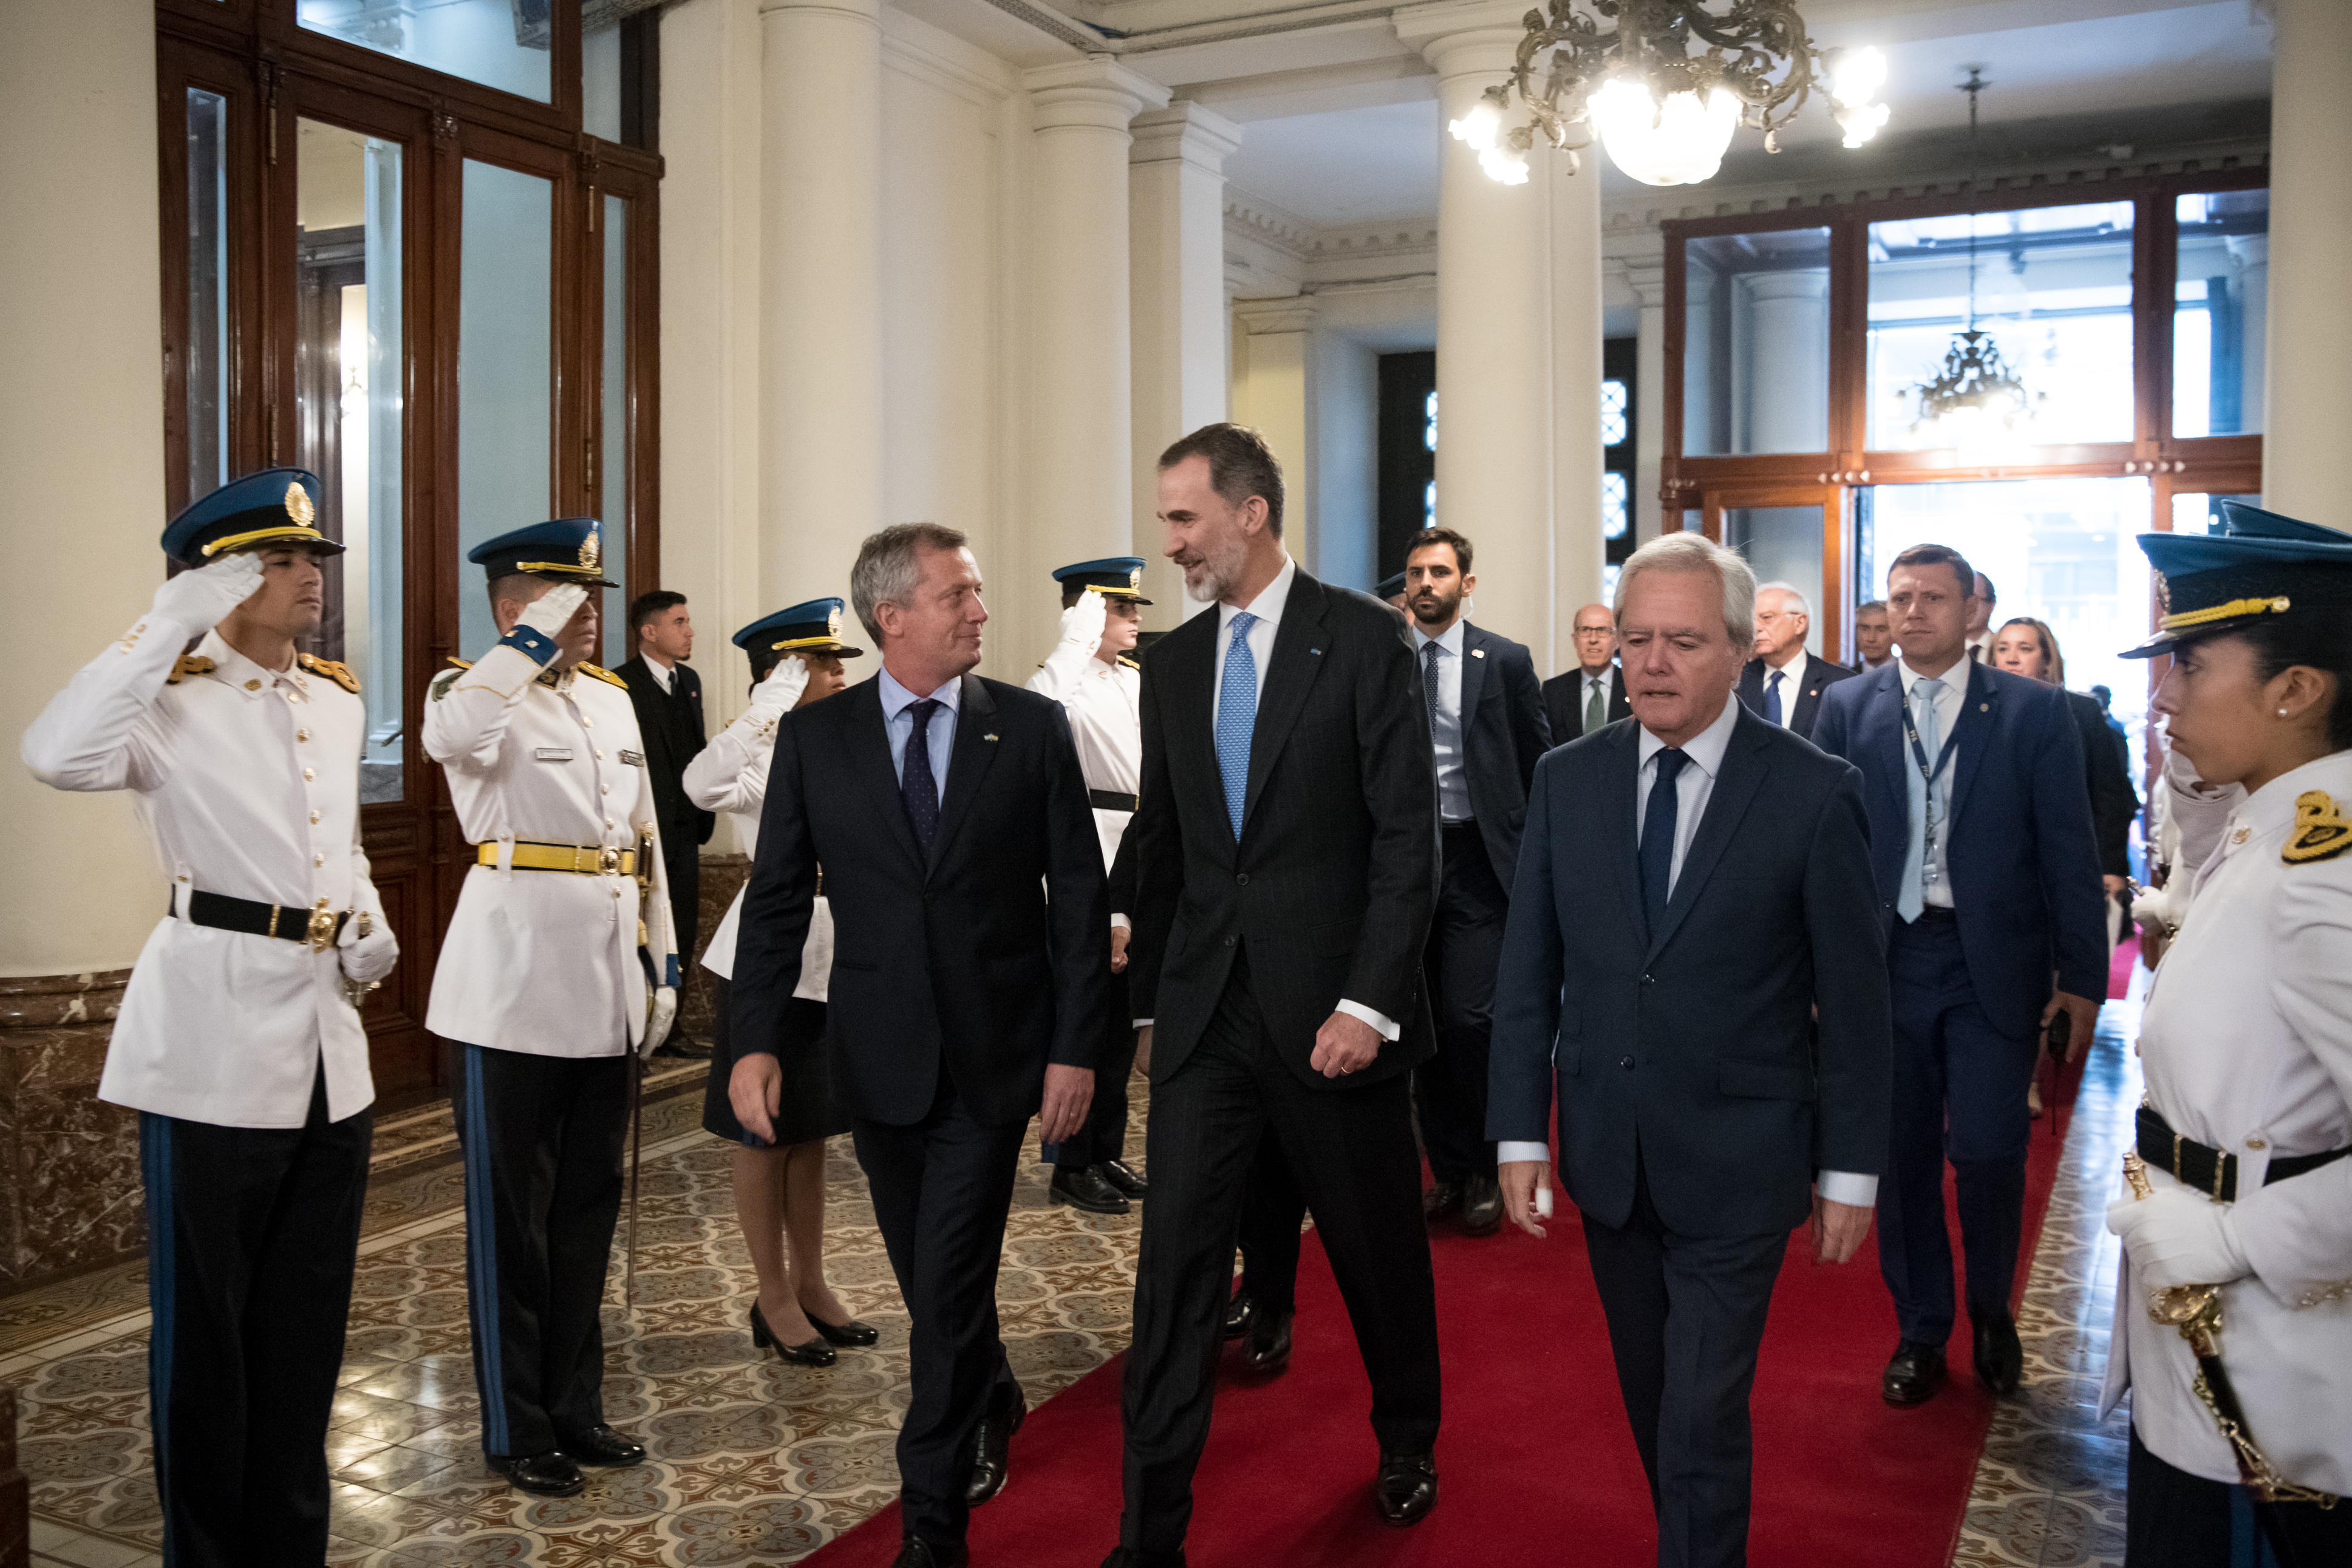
{"x":2320,"y":831}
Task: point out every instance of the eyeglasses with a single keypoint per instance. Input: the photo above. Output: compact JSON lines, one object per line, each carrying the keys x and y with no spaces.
{"x":1594,"y":632}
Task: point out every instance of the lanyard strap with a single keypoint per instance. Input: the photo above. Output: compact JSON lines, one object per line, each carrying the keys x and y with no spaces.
{"x":1928,"y":775}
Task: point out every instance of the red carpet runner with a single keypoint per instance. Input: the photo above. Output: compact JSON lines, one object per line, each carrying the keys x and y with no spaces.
{"x":1536,"y":1463}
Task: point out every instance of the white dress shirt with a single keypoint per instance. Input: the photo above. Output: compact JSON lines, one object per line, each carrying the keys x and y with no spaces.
{"x":730,"y":774}
{"x":899,"y":724}
{"x":1445,"y":732}
{"x":1936,"y":877}
{"x":1792,"y":681}
{"x":661,"y":672}
{"x":247,"y":781}
{"x":1694,"y":786}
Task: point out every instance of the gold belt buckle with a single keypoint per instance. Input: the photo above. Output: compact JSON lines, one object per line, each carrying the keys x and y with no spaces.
{"x":608,"y":860}
{"x":320,"y":933}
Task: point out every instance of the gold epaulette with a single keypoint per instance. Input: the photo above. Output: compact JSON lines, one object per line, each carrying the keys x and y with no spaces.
{"x":601,"y":673}
{"x":341,"y":674}
{"x":2320,"y":831}
{"x":1129,"y":662}
{"x":461,"y":663}
{"x":188,"y":664}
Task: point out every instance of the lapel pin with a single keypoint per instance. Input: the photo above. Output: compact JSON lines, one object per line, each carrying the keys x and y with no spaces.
{"x":1984,"y":707}
{"x":1316,"y":651}
{"x":988,"y":737}
{"x":1478,"y":653}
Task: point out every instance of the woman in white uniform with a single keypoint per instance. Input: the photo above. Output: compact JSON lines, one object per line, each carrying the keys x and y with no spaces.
{"x":2247,"y":1044}
{"x":796,"y":658}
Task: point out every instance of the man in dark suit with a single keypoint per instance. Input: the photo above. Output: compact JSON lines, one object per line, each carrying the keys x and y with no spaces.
{"x":1988,"y":881}
{"x":1286,"y":869}
{"x":1486,"y":726}
{"x":1783,"y":683}
{"x":970,"y":975}
{"x":667,"y":696}
{"x":1690,"y":967}
{"x":1580,"y":701}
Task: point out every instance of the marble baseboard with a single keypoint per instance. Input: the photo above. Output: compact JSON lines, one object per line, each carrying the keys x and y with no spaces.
{"x":68,"y":1161}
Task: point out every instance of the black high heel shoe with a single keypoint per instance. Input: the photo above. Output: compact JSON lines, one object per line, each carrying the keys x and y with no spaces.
{"x":852,"y":1333}
{"x":816,"y":1353}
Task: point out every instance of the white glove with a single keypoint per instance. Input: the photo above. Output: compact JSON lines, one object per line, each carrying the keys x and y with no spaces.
{"x":782,"y":689}
{"x":1082,"y":623}
{"x":198,"y":599}
{"x":553,"y":611}
{"x":2175,"y":1236}
{"x":367,"y":958}
{"x":665,"y":1013}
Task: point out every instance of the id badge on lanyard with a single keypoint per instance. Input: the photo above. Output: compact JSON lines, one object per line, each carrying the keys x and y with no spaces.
{"x":1928,"y":775}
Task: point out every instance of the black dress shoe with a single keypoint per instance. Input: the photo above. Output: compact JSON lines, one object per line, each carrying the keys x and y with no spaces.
{"x":992,"y":1447}
{"x":1912,"y":1373}
{"x":683,"y":1046}
{"x":543,"y":1475}
{"x":2000,"y":1359}
{"x":1266,"y":1349}
{"x":1406,"y":1487}
{"x":601,"y":1445}
{"x":852,"y":1333}
{"x":1442,"y":1199}
{"x":1125,"y":1178}
{"x":1481,"y":1205}
{"x":1142,"y":1557}
{"x":915,"y":1552}
{"x":811,"y":1352}
{"x":1238,"y":1307}
{"x":1082,"y":1187}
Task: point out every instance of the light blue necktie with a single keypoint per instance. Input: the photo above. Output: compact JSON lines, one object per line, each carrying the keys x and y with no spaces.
{"x":1913,"y":897}
{"x":1772,"y":698}
{"x":1236,"y":717}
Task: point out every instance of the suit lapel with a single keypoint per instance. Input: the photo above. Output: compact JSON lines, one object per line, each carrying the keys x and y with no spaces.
{"x":869,"y":751}
{"x":1735,"y":787}
{"x":1978,"y":710}
{"x":1623,"y":772}
{"x":1290,"y":673}
{"x":1807,"y":698}
{"x":1474,"y":674}
{"x":975,"y":747}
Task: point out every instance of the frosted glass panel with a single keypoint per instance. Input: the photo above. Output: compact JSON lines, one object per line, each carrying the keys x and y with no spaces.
{"x":1755,"y":343}
{"x":505,"y":44}
{"x":505,"y":340}
{"x":613,"y":441}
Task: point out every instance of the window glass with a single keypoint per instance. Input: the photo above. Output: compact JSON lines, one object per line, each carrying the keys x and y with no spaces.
{"x":348,"y":346}
{"x":613,"y":441}
{"x":505,"y":343}
{"x":2220,"y":295}
{"x":2052,"y":286}
{"x":1615,"y":494}
{"x":599,"y":68}
{"x":1783,"y":544}
{"x":505,"y":44}
{"x":1612,"y":412}
{"x":1755,"y":343}
{"x":207,"y":350}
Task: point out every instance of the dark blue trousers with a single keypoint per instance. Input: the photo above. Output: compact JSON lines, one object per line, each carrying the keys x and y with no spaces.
{"x":1960,"y":1095}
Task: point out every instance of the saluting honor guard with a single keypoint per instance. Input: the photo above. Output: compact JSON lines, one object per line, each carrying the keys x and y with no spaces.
{"x":2234,"y":1307}
{"x":1101,"y":688}
{"x":239,"y":1042}
{"x":559,"y":964}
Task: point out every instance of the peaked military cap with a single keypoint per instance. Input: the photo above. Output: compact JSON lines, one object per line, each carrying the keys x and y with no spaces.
{"x":566,"y":549}
{"x":812,"y":627}
{"x":1114,"y":577}
{"x":2261,"y":565}
{"x":1389,"y":587}
{"x":274,"y":508}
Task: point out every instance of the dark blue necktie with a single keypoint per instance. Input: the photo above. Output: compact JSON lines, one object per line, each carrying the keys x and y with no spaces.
{"x":1658,"y":836}
{"x":917,"y":791}
{"x":1772,"y":698}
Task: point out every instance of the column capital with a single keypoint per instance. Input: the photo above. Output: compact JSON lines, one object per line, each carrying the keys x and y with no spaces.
{"x":1287,"y":313}
{"x":1647,"y":274}
{"x":1463,"y":38}
{"x":1186,"y":132}
{"x":1094,"y":93}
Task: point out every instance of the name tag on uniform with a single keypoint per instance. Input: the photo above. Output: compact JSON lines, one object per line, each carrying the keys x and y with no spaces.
{"x":554,"y":753}
{"x":632,"y":759}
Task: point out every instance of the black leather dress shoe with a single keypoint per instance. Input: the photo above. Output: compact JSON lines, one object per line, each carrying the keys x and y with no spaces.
{"x":1442,"y":1199}
{"x":543,"y":1475}
{"x":1481,"y":1205}
{"x":1125,"y":1178}
{"x":1238,"y":1307}
{"x":809,"y":1352}
{"x":1912,"y":1373}
{"x":915,"y":1552}
{"x":683,"y":1046}
{"x":1140,"y":1557}
{"x":1266,"y":1349}
{"x":2000,"y":1359}
{"x":1406,"y":1487}
{"x":852,"y":1333}
{"x":992,"y":1448}
{"x":601,"y":1445}
{"x":1082,"y":1187}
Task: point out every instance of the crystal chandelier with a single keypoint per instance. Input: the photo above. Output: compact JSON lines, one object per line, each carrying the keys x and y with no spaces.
{"x":1976,"y":402}
{"x":1664,"y":115}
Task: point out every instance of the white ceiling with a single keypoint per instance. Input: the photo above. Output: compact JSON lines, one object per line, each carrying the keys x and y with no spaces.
{"x":1346,"y":166}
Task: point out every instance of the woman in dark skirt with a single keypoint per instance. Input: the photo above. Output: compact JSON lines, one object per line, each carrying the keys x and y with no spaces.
{"x":779,"y":1187}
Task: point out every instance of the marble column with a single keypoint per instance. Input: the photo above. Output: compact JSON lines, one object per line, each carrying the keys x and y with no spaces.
{"x":1274,"y":391}
{"x":2310,"y":337}
{"x":821,"y":342}
{"x":1495,"y":299}
{"x":1176,"y":203}
{"x":1081,"y":423}
{"x":1577,"y":462}
{"x":1648,"y":276}
{"x":1785,"y":374}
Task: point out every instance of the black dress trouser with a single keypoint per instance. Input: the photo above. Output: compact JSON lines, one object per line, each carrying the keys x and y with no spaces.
{"x":542,"y":1138}
{"x":1104,"y":1137}
{"x":682,"y":863}
{"x":252,"y":1236}
{"x":1352,"y":1153}
{"x":1465,"y":949}
{"x":2175,"y":1519}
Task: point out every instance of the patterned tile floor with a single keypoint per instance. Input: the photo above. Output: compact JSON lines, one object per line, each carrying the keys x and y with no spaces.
{"x":758,"y":1463}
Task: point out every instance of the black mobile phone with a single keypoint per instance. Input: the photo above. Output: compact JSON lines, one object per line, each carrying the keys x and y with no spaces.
{"x":2060,"y":1032}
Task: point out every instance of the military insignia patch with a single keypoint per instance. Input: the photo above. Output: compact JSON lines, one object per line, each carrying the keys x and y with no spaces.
{"x":189,"y":665}
{"x":2320,"y":831}
{"x":592,"y":554}
{"x":341,"y":674}
{"x":601,"y":673}
{"x":298,"y":505}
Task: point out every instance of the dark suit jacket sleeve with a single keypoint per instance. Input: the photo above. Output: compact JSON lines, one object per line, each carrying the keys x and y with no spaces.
{"x":1853,"y":1031}
{"x":773,"y":926}
{"x":704,"y":821}
{"x":1155,"y":845}
{"x":1076,"y":903}
{"x":1530,"y":731}
{"x":1565,"y":726}
{"x":2113,"y":802}
{"x":1528,"y":984}
{"x":2069,"y":855}
{"x":1122,"y":877}
{"x":1401,"y":795}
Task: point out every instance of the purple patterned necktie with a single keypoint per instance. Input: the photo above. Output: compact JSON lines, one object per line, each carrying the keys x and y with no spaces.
{"x":918,"y":792}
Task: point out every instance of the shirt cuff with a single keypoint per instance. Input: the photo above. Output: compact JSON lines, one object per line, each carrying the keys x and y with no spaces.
{"x":1847,"y":1187}
{"x":1380,"y":1022}
{"x":1140,"y":1024}
{"x":1507,"y":1151}
{"x":1120,"y":922}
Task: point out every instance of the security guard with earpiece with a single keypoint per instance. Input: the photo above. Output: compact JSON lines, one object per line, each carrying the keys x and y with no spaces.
{"x":240,"y":1041}
{"x":559,"y":967}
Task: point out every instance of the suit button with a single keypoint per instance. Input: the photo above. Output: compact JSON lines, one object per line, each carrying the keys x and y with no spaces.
{"x":1241,"y":879}
{"x":1649,"y":980}
{"x":1625,"y":1062}
{"x":1232,"y":941}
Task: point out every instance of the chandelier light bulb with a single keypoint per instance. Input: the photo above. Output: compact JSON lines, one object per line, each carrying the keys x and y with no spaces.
{"x":1859,"y":121}
{"x":1855,"y":76}
{"x":1677,"y":142}
{"x":1506,"y":164}
{"x":1479,"y":127}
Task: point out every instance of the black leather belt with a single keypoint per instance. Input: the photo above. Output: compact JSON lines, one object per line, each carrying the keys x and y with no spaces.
{"x":1111,"y":800}
{"x":291,"y":923}
{"x":2207,"y":1170}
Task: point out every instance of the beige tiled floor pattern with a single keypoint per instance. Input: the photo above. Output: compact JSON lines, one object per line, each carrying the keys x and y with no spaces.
{"x":754,"y":1462}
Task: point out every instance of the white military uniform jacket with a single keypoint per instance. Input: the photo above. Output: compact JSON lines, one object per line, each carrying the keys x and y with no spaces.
{"x":247,"y":781}
{"x":730,"y":774}
{"x":1104,"y":705}
{"x":545,"y":963}
{"x":2247,"y":1043}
